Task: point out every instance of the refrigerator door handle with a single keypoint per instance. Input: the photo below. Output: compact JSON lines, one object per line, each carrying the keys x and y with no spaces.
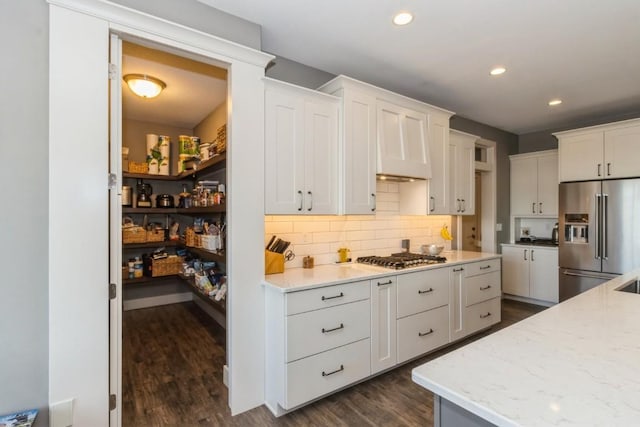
{"x":605,"y":207}
{"x":597,"y":222}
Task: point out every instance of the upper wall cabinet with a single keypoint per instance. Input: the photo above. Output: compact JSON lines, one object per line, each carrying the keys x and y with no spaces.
{"x":462,"y":173}
{"x":301,"y":150}
{"x":534,"y":184}
{"x":388,"y":134}
{"x":600,"y":152}
{"x":402,"y":141}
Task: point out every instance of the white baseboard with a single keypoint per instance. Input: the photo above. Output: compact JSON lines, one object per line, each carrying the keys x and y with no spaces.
{"x":134,"y":304}
{"x":225,"y":375}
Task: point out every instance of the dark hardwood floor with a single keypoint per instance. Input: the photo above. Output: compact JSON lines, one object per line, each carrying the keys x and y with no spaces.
{"x":172,"y":376}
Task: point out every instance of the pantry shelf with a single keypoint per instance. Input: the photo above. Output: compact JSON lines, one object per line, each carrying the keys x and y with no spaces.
{"x":145,"y":280}
{"x":220,"y":306}
{"x":166,"y":244}
{"x":213,"y":164}
{"x":183,"y":211}
{"x":220,"y":257}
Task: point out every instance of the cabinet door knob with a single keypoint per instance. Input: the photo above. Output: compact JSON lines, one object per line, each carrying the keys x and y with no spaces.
{"x":608,"y":169}
{"x":425,"y":292}
{"x":540,"y":207}
{"x":310,"y":201}
{"x":484,"y":316}
{"x":333,"y":297}
{"x":598,"y":169}
{"x":432,"y":201}
{"x":525,"y":254}
{"x":485,"y":288}
{"x":373,"y":198}
{"x":385,"y":283}
{"x":300,"y":194}
{"x":532,"y":254}
{"x":533,"y":207}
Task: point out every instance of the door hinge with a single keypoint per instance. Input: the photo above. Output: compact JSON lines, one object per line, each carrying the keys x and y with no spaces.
{"x":112,"y":402}
{"x":113,"y":71}
{"x":112,"y":290}
{"x":112,"y":180}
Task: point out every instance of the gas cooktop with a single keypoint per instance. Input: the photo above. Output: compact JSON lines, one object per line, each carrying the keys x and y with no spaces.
{"x":401,"y":260}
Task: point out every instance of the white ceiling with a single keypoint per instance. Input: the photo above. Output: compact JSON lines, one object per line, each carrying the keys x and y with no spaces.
{"x":189,"y":97}
{"x":585,"y":52}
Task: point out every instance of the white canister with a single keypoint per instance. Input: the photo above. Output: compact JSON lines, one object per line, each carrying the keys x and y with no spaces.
{"x":163,"y":168}
{"x":153,"y":167}
{"x":204,"y":151}
{"x":152,"y":143}
{"x":164,"y":143}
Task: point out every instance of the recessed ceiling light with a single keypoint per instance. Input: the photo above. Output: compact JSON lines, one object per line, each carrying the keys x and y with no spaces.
{"x":402,"y":18}
{"x":497,"y":71}
{"x":555,"y":102}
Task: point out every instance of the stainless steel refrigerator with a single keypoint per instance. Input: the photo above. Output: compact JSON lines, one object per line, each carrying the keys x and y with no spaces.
{"x":599,"y":225}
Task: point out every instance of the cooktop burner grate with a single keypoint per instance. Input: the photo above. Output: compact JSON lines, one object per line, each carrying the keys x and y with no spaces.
{"x":401,"y":260}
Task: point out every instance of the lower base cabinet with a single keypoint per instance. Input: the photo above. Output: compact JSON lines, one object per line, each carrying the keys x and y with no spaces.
{"x":420,"y":333}
{"x":325,"y":338}
{"x":322,"y":373}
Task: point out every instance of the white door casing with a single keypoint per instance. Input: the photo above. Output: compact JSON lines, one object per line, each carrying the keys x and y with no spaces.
{"x":78,"y":304}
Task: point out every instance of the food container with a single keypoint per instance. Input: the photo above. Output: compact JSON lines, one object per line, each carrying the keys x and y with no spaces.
{"x":432,"y":249}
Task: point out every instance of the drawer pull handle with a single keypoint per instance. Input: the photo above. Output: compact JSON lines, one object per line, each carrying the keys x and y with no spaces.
{"x":429,"y":332}
{"x":425,"y":292}
{"x":485,"y":267}
{"x":455,"y":270}
{"x":485,"y":288}
{"x":326,"y":374}
{"x":335,"y":296}
{"x":484,"y":316}
{"x":385,"y":283}
{"x":324,"y":331}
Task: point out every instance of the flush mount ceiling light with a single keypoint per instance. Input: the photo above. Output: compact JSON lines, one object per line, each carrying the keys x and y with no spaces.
{"x":402,"y":18}
{"x":144,"y":86}
{"x":497,"y":71}
{"x":555,"y":102}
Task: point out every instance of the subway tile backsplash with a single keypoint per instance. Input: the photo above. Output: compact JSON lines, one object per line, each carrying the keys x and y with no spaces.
{"x":321,"y":235}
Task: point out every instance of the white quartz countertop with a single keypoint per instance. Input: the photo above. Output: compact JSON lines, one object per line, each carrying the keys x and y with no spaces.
{"x":574,"y":364}
{"x":298,"y":279}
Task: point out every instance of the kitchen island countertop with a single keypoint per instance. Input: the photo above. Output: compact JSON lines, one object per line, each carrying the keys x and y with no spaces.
{"x":298,"y":279}
{"x":574,"y":364}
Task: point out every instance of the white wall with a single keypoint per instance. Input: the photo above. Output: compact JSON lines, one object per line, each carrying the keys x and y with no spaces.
{"x":321,"y":235}
{"x":24,"y":295}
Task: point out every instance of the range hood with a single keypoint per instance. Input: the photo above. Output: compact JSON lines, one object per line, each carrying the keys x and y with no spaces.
{"x":397,"y":178}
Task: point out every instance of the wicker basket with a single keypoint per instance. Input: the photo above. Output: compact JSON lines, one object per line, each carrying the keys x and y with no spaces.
{"x":134,"y":235}
{"x":138,"y":167}
{"x":155,"y":236}
{"x":166,"y":266}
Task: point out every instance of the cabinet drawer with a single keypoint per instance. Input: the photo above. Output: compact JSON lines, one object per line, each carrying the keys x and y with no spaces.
{"x":422,"y":291}
{"x":482,"y":287}
{"x":481,"y":267}
{"x":422,"y":332}
{"x":481,"y":315}
{"x":328,"y":296}
{"x":320,"y":330}
{"x":317,"y":375}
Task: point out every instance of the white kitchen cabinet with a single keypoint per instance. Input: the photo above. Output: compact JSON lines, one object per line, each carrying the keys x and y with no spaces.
{"x":389,"y":134}
{"x":301,"y":150}
{"x":530,"y":272}
{"x":402,"y":141}
{"x":383,"y":323}
{"x":462,"y":173}
{"x":318,"y":341}
{"x":534,"y":184}
{"x":438,"y":185}
{"x":474,"y":297}
{"x":600,"y":152}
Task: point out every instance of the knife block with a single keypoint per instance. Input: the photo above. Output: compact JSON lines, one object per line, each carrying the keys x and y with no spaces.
{"x":273,"y":262}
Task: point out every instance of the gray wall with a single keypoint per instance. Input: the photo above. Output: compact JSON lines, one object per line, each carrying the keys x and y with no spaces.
{"x":543,"y":140}
{"x":506,"y":144}
{"x":24,"y":31}
{"x":296,"y":73}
